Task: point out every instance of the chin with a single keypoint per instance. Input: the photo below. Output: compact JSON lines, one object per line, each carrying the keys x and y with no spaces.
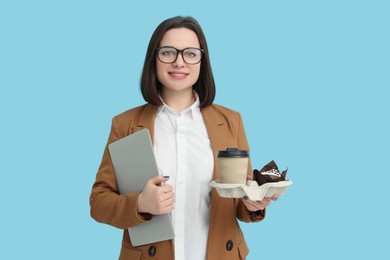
{"x":179,"y":87}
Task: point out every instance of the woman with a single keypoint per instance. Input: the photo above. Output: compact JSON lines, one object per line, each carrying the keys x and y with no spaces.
{"x":187,"y":131}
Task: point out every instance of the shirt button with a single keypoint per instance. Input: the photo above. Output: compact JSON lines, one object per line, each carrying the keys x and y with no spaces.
{"x":152,"y":250}
{"x":229,"y":245}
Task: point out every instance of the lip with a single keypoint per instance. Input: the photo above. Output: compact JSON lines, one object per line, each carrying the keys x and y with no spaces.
{"x":178,"y":74}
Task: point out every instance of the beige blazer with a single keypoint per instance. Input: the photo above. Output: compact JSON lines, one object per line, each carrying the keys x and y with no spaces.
{"x":225,"y":239}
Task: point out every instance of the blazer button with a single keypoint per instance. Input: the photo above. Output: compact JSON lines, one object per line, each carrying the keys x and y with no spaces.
{"x":229,"y":245}
{"x":152,"y":250}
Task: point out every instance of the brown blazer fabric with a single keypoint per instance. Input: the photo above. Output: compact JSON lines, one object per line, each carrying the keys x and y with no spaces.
{"x":225,"y":239}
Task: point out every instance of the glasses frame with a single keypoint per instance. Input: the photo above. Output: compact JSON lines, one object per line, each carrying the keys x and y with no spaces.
{"x":177,"y":54}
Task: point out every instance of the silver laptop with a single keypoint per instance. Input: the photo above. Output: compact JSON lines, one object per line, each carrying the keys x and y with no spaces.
{"x":134,"y":164}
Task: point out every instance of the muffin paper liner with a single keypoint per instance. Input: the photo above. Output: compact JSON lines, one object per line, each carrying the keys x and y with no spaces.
{"x":251,"y":189}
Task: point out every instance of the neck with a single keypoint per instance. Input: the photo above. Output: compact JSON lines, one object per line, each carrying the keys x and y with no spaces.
{"x":178,"y":100}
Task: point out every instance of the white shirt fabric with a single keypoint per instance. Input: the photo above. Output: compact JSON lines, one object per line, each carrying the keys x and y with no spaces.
{"x":183,"y":152}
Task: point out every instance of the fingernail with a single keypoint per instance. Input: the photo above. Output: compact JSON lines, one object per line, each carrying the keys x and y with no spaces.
{"x":245,"y":197}
{"x":167,"y":177}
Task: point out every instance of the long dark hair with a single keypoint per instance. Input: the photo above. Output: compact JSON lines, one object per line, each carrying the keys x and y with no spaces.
{"x":151,"y":87}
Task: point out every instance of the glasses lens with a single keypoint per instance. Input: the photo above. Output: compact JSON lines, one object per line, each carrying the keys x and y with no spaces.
{"x":192,"y":55}
{"x":167,"y":54}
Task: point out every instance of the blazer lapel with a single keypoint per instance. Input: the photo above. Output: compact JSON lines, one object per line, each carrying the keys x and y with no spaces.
{"x":216,"y":129}
{"x":146,"y":120}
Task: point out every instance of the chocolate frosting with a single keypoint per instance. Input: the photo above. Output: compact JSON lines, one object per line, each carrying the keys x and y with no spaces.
{"x":264,"y":176}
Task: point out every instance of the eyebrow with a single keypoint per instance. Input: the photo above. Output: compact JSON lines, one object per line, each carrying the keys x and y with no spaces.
{"x":170,"y":46}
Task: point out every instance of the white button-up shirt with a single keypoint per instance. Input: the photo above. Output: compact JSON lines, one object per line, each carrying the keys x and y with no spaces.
{"x":183,"y":152}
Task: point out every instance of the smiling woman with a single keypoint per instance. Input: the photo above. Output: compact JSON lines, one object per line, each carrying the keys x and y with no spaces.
{"x":187,"y":131}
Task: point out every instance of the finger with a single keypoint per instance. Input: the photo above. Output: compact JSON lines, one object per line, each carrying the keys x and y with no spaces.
{"x":169,"y":202}
{"x":168,"y":195}
{"x":249,"y":177}
{"x":275,"y":197}
{"x":251,"y":207}
{"x":168,"y":209}
{"x":258,"y":204}
{"x":266,"y":201}
{"x":166,"y":188}
{"x":158,"y":179}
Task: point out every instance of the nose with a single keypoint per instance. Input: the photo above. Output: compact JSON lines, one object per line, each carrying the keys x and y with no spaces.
{"x":179,"y":62}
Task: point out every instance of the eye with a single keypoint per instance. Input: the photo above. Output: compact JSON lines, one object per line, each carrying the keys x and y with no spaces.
{"x":190,"y":54}
{"x":167,"y":52}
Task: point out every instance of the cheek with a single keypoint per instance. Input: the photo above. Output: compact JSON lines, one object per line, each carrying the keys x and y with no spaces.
{"x":159,"y":70}
{"x":196,"y":72}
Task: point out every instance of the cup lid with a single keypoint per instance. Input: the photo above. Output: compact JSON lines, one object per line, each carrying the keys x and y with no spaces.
{"x":232,"y":152}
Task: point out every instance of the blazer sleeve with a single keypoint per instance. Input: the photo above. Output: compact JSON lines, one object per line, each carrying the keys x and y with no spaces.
{"x":107,"y":206}
{"x":243,"y":213}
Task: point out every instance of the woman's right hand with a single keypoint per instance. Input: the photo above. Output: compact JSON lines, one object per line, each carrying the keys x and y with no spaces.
{"x":156,"y":199}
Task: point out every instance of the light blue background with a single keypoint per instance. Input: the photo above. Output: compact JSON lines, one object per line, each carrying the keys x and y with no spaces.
{"x":310,"y":79}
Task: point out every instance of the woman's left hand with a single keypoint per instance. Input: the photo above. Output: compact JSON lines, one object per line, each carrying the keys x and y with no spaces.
{"x":252,"y":205}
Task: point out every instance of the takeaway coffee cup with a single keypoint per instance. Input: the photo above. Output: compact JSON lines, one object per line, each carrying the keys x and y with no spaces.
{"x":233,"y":166}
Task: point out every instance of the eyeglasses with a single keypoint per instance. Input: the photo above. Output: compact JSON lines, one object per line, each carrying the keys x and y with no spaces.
{"x":167,"y":54}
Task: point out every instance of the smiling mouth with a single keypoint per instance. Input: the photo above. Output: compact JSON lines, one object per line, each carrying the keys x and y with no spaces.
{"x":177,"y":75}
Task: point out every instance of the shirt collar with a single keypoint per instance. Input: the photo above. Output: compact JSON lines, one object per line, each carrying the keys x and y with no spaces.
{"x":193,"y":110}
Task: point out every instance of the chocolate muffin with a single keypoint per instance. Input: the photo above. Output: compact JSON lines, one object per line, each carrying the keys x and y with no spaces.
{"x":269,"y":173}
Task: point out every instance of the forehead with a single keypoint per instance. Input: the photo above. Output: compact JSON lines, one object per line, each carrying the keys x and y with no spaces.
{"x":180,"y":38}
